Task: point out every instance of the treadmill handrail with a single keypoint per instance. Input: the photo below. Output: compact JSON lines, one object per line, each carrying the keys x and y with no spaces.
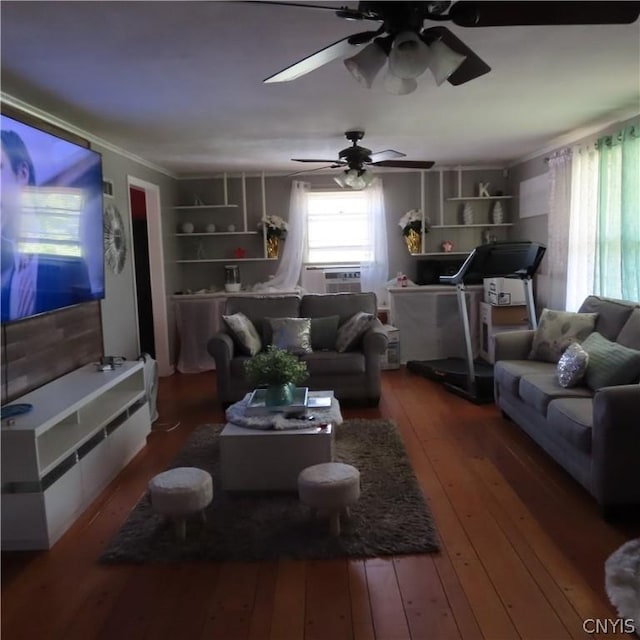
{"x":527,"y":255}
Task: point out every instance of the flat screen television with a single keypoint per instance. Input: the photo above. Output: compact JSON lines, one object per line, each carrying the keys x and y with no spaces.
{"x":51,"y":222}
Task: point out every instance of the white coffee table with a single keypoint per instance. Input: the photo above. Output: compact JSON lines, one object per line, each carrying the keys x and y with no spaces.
{"x":256,"y":460}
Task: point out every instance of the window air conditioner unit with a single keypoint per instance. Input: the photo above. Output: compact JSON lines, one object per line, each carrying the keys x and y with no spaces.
{"x":331,"y":279}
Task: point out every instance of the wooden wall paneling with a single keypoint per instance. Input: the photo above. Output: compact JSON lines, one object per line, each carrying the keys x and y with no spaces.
{"x":43,"y":348}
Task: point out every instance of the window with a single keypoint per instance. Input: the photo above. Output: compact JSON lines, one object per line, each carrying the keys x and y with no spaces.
{"x":338,"y":230}
{"x":604,"y":227}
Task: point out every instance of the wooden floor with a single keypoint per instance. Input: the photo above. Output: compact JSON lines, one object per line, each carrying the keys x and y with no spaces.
{"x":523,"y":548}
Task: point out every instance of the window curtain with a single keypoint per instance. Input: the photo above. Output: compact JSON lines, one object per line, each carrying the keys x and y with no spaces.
{"x":558,"y":226}
{"x":617,"y":259}
{"x":287,"y":275}
{"x":583,"y":226}
{"x":375,"y":272}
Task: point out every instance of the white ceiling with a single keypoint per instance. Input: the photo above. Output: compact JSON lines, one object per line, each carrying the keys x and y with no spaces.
{"x":180,"y":84}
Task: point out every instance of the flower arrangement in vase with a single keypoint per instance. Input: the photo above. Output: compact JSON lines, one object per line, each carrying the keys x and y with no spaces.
{"x":411,"y":225}
{"x":277,"y":229}
{"x":279,"y":371}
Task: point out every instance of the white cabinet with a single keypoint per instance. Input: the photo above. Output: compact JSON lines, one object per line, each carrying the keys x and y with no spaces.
{"x":429,"y":321}
{"x":83,"y":429}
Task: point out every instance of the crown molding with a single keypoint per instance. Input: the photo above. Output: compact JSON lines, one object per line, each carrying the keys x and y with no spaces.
{"x":576,"y":135}
{"x":16,"y":103}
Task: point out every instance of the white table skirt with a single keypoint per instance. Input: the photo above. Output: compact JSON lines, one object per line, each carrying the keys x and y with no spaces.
{"x":197,"y":320}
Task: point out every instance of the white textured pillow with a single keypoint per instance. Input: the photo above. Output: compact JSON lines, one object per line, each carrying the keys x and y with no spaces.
{"x":352,"y":330}
{"x":572,"y":365}
{"x":244,"y":333}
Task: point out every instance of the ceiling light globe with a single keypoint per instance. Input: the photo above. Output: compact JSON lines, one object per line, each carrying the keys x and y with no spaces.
{"x":364,"y":66}
{"x":398,"y":86}
{"x":409,"y":56}
{"x":443,"y":61}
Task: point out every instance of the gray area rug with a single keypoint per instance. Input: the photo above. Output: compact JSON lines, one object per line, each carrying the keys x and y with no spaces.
{"x":391,"y":517}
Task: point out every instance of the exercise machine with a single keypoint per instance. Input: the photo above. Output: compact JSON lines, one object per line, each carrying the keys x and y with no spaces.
{"x":466,"y":377}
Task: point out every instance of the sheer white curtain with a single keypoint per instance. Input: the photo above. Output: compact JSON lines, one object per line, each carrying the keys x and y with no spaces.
{"x":558,"y":226}
{"x":583,"y":226}
{"x":287,"y":276}
{"x":375,"y":273}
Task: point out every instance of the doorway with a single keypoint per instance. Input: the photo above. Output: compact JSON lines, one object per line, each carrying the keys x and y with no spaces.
{"x":148,"y":267}
{"x":144,"y":299}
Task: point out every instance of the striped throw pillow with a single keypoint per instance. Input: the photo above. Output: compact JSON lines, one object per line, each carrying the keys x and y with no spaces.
{"x":610,"y":363}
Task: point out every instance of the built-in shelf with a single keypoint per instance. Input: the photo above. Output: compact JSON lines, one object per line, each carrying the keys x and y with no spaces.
{"x":442,"y":253}
{"x":228,"y":260}
{"x":221,"y":233}
{"x":480,"y":198}
{"x":193,"y":207}
{"x":470,"y":226}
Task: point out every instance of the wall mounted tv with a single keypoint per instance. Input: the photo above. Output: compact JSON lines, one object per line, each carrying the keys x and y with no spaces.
{"x":51,"y":222}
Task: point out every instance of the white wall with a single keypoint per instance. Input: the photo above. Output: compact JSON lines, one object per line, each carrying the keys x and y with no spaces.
{"x":119,"y":324}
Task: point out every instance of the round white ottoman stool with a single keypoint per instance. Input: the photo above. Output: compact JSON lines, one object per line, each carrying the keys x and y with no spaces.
{"x":180,"y":492}
{"x":330,"y":488}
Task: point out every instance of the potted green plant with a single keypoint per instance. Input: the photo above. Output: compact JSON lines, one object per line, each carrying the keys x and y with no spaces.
{"x":278,"y":370}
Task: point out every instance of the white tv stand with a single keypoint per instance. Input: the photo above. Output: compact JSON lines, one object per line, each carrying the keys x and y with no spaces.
{"x":83,"y":429}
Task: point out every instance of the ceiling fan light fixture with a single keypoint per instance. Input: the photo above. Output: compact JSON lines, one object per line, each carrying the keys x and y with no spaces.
{"x":364,"y":66}
{"x":444,"y":61}
{"x":355,"y":179}
{"x":409,"y":56}
{"x":340,"y":181}
{"x":399,"y":86}
{"x":367,"y":177}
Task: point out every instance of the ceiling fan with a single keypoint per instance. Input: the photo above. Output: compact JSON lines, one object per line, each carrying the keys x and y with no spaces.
{"x":357,"y":158}
{"x":409,"y":48}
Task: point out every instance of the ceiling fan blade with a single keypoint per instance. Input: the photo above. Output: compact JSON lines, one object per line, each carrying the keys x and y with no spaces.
{"x":312,"y":160}
{"x":293,"y":4}
{"x":339,"y":49}
{"x":297,"y":173}
{"x":504,"y":14}
{"x":341,"y":12}
{"x":387,"y":154}
{"x":405,"y":164}
{"x":473,"y":67}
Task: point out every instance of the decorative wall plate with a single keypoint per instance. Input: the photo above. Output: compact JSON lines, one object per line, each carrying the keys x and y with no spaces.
{"x":115,"y":239}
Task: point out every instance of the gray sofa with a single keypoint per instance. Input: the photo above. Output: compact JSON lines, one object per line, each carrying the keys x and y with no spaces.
{"x":353,"y":375}
{"x":594,"y":436}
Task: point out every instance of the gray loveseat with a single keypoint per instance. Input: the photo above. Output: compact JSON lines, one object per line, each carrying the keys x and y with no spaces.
{"x":352,"y":375}
{"x":594,"y":436}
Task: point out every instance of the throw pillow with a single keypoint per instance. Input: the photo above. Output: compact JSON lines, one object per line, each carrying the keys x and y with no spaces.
{"x":291,"y":334}
{"x":629,"y":336}
{"x":610,"y":363}
{"x":557,"y":330}
{"x":352,"y":330}
{"x":572,"y":365}
{"x":324,"y":332}
{"x":244,"y":332}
